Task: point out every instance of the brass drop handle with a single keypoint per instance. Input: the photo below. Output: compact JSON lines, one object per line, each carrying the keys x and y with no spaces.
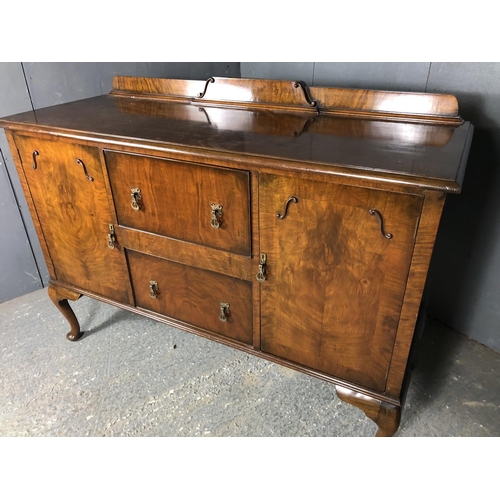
{"x":111,"y":237}
{"x":153,"y":289}
{"x":224,"y":311}
{"x":261,"y":275}
{"x":136,"y":195}
{"x":35,"y":154}
{"x":216,"y":215}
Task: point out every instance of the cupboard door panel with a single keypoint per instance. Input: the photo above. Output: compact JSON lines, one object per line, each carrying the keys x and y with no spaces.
{"x":337,"y":266}
{"x":71,"y":202}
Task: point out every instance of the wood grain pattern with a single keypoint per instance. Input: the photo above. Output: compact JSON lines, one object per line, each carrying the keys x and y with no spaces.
{"x":184,"y":89}
{"x":266,"y":93}
{"x":176,"y":200}
{"x":227,"y":92}
{"x":421,"y":105}
{"x":31,"y":206}
{"x":336,"y":284}
{"x":254,"y":189}
{"x":280,"y":93}
{"x":193,"y":295}
{"x":189,"y":254}
{"x":74,"y":215}
{"x":424,"y":245}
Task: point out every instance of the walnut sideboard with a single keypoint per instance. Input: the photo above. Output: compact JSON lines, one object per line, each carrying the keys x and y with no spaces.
{"x":294,"y":223}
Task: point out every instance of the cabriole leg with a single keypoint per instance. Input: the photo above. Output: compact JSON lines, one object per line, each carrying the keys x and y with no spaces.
{"x":387,"y":416}
{"x":59,"y":297}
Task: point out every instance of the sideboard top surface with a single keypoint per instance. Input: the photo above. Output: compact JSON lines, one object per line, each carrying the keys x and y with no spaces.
{"x":412,"y":146}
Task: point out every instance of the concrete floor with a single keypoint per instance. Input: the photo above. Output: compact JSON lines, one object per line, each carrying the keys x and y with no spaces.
{"x":126,"y":378}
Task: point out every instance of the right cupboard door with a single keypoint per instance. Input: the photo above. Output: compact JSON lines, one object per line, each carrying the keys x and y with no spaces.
{"x":337,"y":262}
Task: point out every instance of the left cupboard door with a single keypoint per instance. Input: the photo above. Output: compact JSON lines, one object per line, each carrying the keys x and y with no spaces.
{"x":67,"y":186}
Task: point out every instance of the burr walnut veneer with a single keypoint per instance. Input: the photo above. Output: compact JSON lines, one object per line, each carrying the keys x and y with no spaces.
{"x":290,"y":222}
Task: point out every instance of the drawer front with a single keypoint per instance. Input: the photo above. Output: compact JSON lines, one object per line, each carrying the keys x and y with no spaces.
{"x":195,"y":203}
{"x":193,"y":295}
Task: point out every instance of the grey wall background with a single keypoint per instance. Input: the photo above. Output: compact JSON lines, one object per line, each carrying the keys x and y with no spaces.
{"x":464,"y":279}
{"x":26,"y":86}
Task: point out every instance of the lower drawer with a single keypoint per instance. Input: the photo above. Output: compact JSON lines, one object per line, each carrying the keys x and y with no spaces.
{"x":214,"y":302}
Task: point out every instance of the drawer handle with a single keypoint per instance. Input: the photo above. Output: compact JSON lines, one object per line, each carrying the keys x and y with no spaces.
{"x":216,"y":215}
{"x":224,"y":311}
{"x":292,"y":199}
{"x":378,"y":215}
{"x":261,"y":275}
{"x":80,"y":162}
{"x":153,"y":289}
{"x":111,"y":237}
{"x":35,"y":154}
{"x":136,"y":195}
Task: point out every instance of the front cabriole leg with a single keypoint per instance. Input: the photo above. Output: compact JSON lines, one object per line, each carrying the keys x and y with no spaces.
{"x":386,"y":415}
{"x":59,"y":297}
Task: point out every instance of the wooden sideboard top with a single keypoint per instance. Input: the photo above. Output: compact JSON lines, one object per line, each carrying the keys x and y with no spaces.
{"x":418,"y":139}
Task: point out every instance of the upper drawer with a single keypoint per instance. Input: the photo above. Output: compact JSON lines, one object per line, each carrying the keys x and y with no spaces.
{"x":201,"y":204}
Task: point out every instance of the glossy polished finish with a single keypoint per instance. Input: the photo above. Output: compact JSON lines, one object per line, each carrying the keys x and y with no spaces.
{"x":423,"y":152}
{"x":387,"y":416}
{"x":285,"y":93}
{"x":294,"y":223}
{"x":176,"y":200}
{"x":425,"y":106}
